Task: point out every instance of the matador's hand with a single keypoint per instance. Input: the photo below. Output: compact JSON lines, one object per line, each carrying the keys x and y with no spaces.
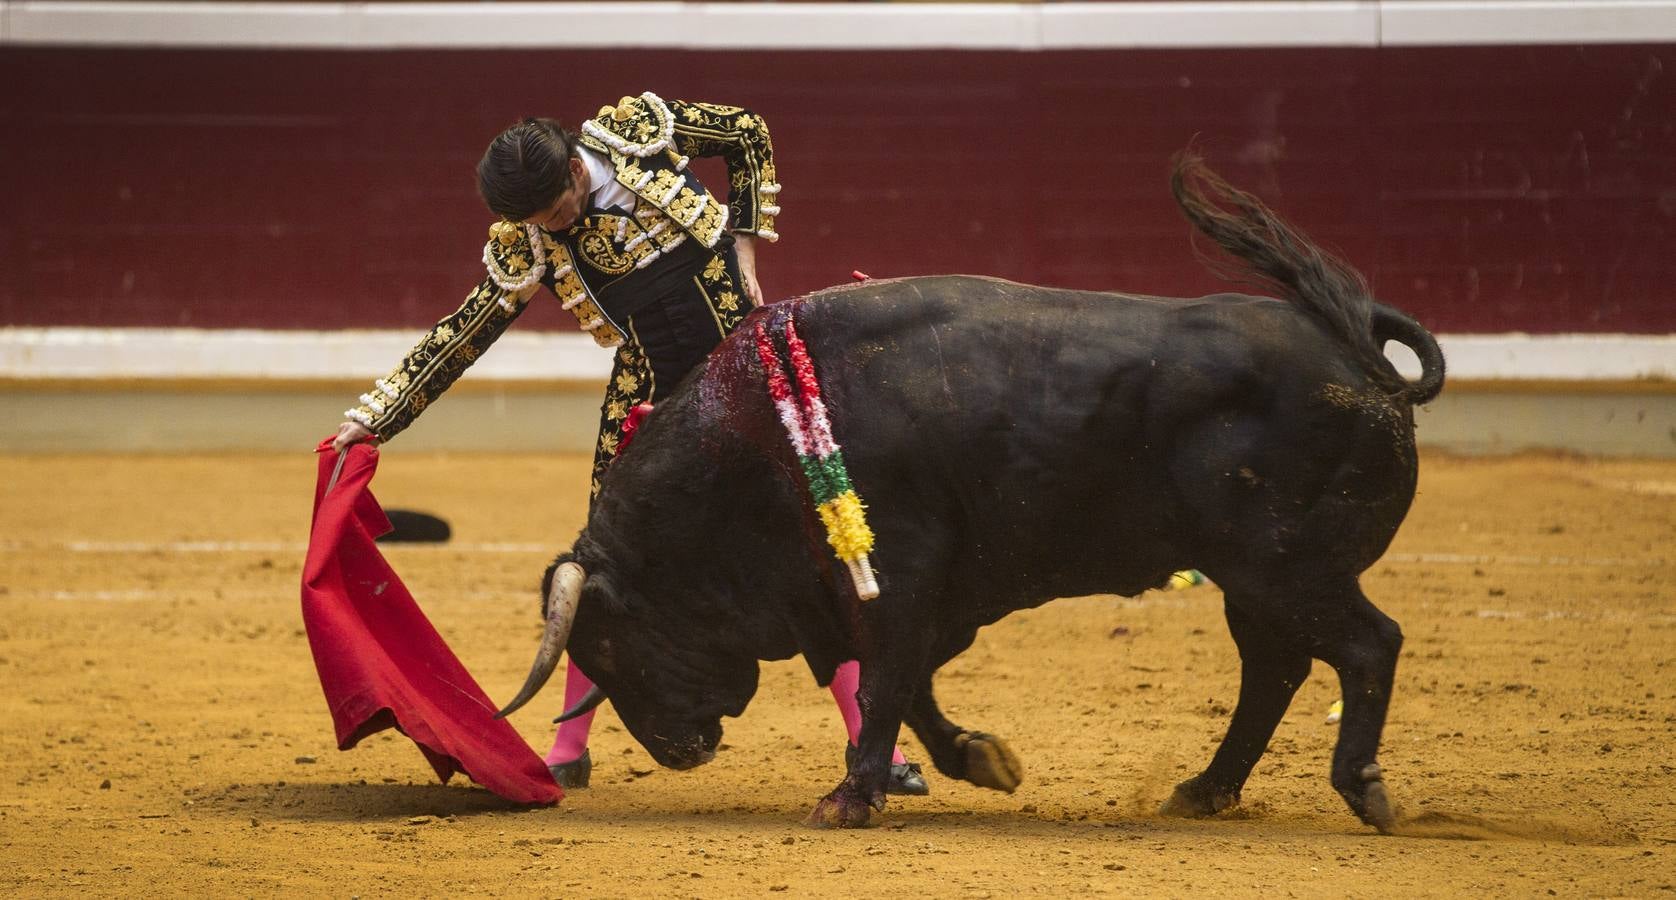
{"x":745,"y":246}
{"x":351,"y":433}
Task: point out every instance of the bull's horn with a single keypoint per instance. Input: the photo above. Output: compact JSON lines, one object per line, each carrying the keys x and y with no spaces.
{"x":591,"y":699}
{"x":562,"y":597}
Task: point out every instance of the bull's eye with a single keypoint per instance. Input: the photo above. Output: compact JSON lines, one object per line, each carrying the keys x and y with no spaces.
{"x":607,"y":658}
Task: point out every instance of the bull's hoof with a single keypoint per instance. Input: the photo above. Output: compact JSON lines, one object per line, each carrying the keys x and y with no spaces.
{"x":1191,"y":800}
{"x":990,"y":763}
{"x":838,"y":811}
{"x":1377,"y":808}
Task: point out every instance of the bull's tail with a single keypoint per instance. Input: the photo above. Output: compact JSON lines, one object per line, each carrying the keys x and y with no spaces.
{"x":1285,"y":261}
{"x":1395,"y":325}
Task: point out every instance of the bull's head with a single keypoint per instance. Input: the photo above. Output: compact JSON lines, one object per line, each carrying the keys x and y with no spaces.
{"x":669,"y":686}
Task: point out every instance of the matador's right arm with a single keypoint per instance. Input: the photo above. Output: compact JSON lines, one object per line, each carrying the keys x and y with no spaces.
{"x":456,"y":341}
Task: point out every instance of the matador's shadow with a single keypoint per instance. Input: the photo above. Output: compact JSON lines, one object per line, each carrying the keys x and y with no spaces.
{"x":357,"y":801}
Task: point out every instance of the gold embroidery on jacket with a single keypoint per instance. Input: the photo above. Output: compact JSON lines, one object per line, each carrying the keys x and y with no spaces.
{"x":597,"y":249}
{"x":574,"y":296}
{"x":711,"y":222}
{"x":686,"y":207}
{"x":630,"y":384}
{"x":636,"y":126}
{"x":434,"y":363}
{"x":692,"y":129}
{"x":648,"y":140}
{"x":742,"y":138}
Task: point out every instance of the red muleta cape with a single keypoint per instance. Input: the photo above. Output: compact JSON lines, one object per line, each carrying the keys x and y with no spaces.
{"x":381,"y":663}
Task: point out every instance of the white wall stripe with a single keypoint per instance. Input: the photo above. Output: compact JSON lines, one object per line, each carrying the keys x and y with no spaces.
{"x":1345,"y":23}
{"x":858,"y":26}
{"x":514,"y":25}
{"x":1457,"y":22}
{"x":839,"y":26}
{"x":1566,"y":357}
{"x":96,"y":353}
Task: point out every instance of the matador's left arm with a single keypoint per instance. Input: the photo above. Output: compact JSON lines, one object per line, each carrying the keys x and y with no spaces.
{"x":741,"y":138}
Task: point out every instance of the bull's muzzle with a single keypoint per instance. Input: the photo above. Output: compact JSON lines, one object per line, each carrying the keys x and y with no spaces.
{"x":562,"y":598}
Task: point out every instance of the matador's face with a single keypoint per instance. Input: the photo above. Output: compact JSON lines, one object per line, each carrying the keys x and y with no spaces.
{"x":568,"y":208}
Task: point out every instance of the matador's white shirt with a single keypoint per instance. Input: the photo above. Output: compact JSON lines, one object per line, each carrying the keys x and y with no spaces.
{"x":607,"y":190}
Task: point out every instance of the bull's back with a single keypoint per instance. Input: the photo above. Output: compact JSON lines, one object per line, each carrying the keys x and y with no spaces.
{"x":993,"y":365}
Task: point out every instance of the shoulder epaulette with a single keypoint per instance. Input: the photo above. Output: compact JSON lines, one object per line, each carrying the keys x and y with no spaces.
{"x":510,"y":257}
{"x":636,"y":126}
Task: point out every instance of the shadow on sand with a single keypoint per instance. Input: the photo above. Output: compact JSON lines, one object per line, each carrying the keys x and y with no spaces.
{"x":1439,"y":825}
{"x":355,"y":801}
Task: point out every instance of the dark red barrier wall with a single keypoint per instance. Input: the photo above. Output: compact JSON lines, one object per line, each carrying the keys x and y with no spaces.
{"x":1485,"y":189}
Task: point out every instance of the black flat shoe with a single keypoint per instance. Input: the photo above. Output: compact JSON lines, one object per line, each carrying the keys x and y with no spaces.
{"x":905,"y":778}
{"x":573,"y":774}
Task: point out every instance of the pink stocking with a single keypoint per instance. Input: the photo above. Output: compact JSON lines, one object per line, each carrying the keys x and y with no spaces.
{"x":845,"y":682}
{"x":572,"y":738}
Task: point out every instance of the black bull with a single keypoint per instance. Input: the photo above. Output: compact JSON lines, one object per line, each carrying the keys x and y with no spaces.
{"x":1016,"y":444}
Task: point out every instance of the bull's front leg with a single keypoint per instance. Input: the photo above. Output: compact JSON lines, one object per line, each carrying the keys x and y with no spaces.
{"x":862,"y":790}
{"x":892,"y":667}
{"x":974,"y":756}
{"x":884,"y":698}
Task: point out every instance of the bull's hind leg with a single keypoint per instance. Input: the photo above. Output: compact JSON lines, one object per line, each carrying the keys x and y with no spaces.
{"x":1364,"y":650}
{"x":1271,"y":669}
{"x":1331,"y":620}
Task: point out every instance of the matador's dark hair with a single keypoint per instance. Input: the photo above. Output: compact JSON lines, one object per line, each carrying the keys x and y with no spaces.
{"x":526,"y":168}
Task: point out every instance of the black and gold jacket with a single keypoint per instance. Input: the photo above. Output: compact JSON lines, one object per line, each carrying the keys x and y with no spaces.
{"x":648,"y":141}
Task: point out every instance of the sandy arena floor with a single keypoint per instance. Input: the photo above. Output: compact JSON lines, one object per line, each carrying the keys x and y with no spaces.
{"x":165,"y":733}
